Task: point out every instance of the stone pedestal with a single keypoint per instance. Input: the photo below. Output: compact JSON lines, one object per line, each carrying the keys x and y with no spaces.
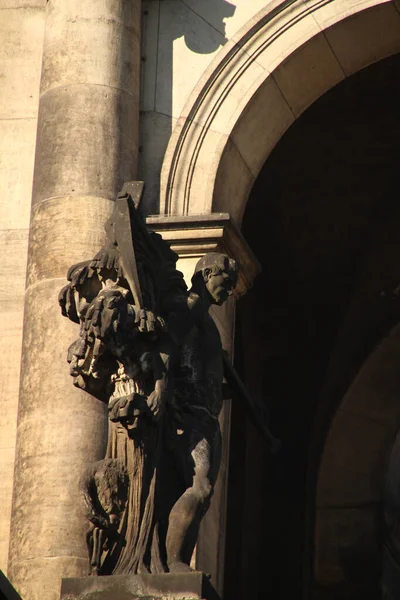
{"x":167,"y":586}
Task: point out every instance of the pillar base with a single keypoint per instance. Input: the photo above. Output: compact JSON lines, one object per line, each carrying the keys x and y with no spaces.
{"x":166,"y":586}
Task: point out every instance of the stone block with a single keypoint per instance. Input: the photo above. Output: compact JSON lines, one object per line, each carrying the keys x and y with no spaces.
{"x":268,"y":112}
{"x":150,"y":32}
{"x":167,"y":586}
{"x":7,"y":4}
{"x":17,"y":156}
{"x":193,"y":236}
{"x":245,"y":12}
{"x":329,"y":13}
{"x":280,"y":36}
{"x":92,"y":43}
{"x":13,"y":252}
{"x":21,"y":34}
{"x":365,"y":38}
{"x":40,"y":577}
{"x":10,"y":351}
{"x":197,"y":173}
{"x":308,"y":73}
{"x":229,"y":93}
{"x":6,"y":475}
{"x":77,"y":151}
{"x":73,"y":222}
{"x":233,"y":183}
{"x":155,"y":131}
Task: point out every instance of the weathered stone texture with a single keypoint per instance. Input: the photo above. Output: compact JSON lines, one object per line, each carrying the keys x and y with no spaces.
{"x":87,"y":142}
{"x":58,"y":428}
{"x":86,"y":147}
{"x":21,"y":34}
{"x":168,"y":586}
{"x":52,"y":223}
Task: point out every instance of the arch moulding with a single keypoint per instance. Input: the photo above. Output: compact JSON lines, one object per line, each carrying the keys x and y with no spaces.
{"x":276,"y":66}
{"x":350,"y":486}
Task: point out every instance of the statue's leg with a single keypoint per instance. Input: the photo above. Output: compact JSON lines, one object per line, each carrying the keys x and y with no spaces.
{"x":90,"y":545}
{"x":95,"y":563}
{"x":199,"y":457}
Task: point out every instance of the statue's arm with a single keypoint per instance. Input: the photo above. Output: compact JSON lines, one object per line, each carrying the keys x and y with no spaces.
{"x":161,"y":365}
{"x":255,"y":408}
{"x":182,"y":311}
{"x":177,"y":311}
{"x":67,"y":302}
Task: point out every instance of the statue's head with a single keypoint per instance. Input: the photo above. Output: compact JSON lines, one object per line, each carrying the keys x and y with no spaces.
{"x":219,"y":274}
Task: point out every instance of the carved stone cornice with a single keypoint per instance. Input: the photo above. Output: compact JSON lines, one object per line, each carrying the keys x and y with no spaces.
{"x":196,"y":235}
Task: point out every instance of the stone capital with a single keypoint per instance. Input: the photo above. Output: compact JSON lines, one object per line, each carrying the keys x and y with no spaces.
{"x":195,"y":235}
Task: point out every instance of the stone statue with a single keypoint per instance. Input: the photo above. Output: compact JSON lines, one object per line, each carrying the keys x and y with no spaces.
{"x":148,"y":347}
{"x":197,"y":374}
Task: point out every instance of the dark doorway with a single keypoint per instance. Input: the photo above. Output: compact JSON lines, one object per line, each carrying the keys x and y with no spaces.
{"x":323,"y":219}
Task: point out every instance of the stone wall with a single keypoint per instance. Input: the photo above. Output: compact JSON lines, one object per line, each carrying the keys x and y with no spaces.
{"x":21,"y":34}
{"x":180,"y":40}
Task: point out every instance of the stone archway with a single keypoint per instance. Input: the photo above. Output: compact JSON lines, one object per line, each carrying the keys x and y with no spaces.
{"x":287,"y":56}
{"x":329,"y":271}
{"x":351,"y":481}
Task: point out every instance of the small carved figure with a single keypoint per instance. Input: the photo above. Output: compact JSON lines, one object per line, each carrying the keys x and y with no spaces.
{"x":104,"y":486}
{"x":149,"y":348}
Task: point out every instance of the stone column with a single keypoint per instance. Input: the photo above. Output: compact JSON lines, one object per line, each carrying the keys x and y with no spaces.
{"x":87,"y":144}
{"x":21,"y":35}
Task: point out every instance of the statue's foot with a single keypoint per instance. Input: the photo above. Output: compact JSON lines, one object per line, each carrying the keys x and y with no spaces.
{"x":179,"y":567}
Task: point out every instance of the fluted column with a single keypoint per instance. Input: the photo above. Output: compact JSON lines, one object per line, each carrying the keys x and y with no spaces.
{"x":87,"y":144}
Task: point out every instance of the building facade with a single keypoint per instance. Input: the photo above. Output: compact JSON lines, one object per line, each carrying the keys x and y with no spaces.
{"x":278,"y":119}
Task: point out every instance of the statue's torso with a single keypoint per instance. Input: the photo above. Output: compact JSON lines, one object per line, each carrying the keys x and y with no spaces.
{"x":198,"y":370}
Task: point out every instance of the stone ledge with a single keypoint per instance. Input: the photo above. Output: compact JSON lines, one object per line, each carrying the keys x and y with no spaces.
{"x":166,"y":586}
{"x":215,"y":232}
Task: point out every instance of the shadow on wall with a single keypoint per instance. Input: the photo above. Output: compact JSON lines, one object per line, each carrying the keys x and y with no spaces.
{"x":216,"y":12}
{"x":164,"y":89}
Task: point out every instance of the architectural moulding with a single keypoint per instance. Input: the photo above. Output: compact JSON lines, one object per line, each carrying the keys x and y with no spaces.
{"x":192,"y":236}
{"x":354,"y":462}
{"x":286,"y":57}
